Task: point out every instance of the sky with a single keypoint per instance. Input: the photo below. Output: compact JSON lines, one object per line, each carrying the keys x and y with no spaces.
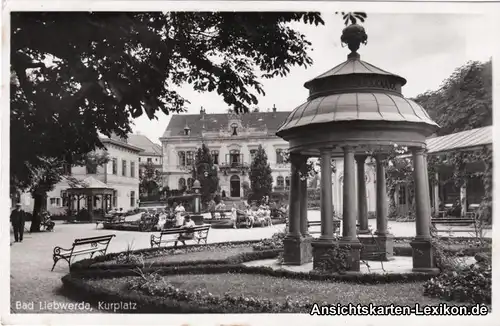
{"x":423,"y":48}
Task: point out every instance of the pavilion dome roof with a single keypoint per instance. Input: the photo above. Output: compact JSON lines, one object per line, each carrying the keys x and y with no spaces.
{"x":356,"y":102}
{"x":354,"y":65}
{"x":356,"y":90}
{"x":352,"y":106}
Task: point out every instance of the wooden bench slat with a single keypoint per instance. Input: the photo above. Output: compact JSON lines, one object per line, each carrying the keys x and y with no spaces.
{"x":200,"y":233}
{"x":98,"y":244}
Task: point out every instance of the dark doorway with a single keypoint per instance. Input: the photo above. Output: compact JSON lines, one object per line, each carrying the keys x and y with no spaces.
{"x":235,"y":186}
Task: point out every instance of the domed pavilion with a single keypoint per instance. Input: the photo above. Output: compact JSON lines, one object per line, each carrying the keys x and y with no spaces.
{"x":355,"y":111}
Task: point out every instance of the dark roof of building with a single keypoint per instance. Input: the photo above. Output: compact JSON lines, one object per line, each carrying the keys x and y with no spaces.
{"x":146,"y":144}
{"x":213,"y":122}
{"x":461,"y":140}
{"x":120,"y":142}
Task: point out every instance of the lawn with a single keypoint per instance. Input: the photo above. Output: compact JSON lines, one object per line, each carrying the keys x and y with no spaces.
{"x":278,"y":289}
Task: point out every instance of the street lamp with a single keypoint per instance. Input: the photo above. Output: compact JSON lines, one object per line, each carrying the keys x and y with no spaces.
{"x":196,"y":187}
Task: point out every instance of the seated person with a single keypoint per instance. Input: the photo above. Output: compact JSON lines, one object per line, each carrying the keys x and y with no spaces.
{"x":188,"y":235}
{"x":251,"y":217}
{"x":49,"y":224}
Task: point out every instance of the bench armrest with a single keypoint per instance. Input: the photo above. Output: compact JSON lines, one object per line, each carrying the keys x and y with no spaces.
{"x":58,"y":250}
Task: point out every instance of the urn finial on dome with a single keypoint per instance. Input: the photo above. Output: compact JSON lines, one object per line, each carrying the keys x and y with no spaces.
{"x":354,"y":35}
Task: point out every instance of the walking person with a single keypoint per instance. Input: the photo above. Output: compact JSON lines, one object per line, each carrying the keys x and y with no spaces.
{"x":17,"y":218}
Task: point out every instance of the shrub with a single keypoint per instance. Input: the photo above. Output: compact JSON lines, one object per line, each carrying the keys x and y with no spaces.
{"x":470,"y":284}
{"x":275,"y":242}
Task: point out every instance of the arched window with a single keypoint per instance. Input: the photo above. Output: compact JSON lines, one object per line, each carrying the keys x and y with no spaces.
{"x":182,"y":183}
{"x":280,"y":182}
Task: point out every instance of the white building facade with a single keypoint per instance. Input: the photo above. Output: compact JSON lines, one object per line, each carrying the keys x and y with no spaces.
{"x":120,"y":174}
{"x":232,"y":139}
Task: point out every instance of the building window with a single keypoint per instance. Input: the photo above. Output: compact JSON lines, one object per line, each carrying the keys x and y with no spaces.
{"x":189,"y":158}
{"x":280,"y":182}
{"x":115,"y":198}
{"x":139,"y":159}
{"x":156,"y":159}
{"x":252,"y":154}
{"x":190,"y":183}
{"x":115,"y":166}
{"x":58,"y":202}
{"x":182,"y":184}
{"x":132,"y":198}
{"x":234,"y":157}
{"x":150,"y":160}
{"x":402,"y":195}
{"x":279,"y":156}
{"x":52,"y":202}
{"x":124,"y":168}
{"x":287,"y":182}
{"x":215,"y":156}
{"x":182,"y":158}
{"x":132,"y":169}
{"x":234,"y":127}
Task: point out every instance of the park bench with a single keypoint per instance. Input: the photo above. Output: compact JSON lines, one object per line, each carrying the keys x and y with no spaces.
{"x":336,"y":226}
{"x":114,"y":219}
{"x":200,"y":234}
{"x":84,"y":246}
{"x":456,"y":221}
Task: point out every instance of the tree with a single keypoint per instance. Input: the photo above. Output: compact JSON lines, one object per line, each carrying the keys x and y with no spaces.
{"x":149,"y":180}
{"x":464,"y":101}
{"x":205,"y":171}
{"x":261,"y":180}
{"x":104,"y":69}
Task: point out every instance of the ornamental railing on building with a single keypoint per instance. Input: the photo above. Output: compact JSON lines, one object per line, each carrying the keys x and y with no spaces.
{"x":234,"y":167}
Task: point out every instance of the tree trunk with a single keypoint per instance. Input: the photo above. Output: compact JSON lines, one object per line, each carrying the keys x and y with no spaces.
{"x":37,"y":208}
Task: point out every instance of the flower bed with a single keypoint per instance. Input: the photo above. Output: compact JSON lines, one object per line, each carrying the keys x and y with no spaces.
{"x":137,"y":257}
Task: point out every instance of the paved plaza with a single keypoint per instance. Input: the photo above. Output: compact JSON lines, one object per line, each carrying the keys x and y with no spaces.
{"x":31,"y":260}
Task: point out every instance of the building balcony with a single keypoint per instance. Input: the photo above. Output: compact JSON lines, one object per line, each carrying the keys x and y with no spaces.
{"x":281,"y":166}
{"x":234,"y":167}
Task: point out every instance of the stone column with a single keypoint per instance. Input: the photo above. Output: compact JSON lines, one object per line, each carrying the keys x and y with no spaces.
{"x":384,"y":245}
{"x":381,"y":196}
{"x":436,"y":193}
{"x":326,"y":196}
{"x":323,"y":246}
{"x":463,"y":199}
{"x":294,"y":203}
{"x":349,"y":240}
{"x":297,"y":249}
{"x":349,"y":206}
{"x":362,"y":205}
{"x":304,"y":227}
{"x":423,"y":252}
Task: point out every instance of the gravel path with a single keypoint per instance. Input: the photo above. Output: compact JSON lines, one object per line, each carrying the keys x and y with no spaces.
{"x":34,"y":287}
